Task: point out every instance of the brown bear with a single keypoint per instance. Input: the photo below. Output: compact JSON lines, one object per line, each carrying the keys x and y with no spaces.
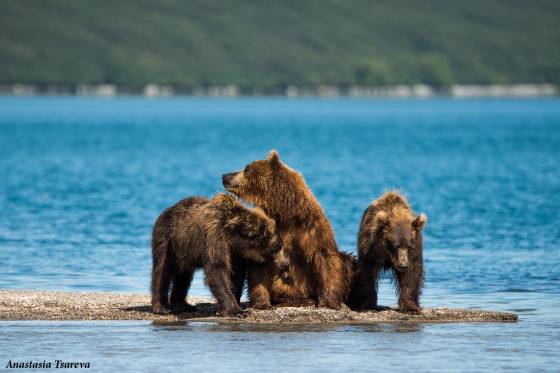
{"x":317,"y":272}
{"x":218,"y":235}
{"x":390,"y":239}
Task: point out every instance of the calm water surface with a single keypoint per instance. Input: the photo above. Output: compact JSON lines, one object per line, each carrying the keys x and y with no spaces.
{"x":82,"y":180}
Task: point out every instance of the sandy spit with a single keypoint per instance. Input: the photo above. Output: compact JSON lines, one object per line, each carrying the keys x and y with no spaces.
{"x":51,"y":305}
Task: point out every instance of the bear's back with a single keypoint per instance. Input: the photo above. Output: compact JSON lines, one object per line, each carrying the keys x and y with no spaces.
{"x":187,"y":231}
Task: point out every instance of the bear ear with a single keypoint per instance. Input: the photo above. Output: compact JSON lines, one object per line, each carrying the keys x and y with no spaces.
{"x":274,"y":157}
{"x":381,"y":219}
{"x":420,"y":221}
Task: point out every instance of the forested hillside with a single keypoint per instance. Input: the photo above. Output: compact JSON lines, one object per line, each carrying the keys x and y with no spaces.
{"x":254,"y":43}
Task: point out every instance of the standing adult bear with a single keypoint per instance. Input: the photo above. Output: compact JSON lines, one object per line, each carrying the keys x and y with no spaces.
{"x":317,"y":273}
{"x":390,"y":239}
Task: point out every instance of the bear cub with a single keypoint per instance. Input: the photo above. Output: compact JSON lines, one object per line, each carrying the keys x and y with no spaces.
{"x":389,"y":239}
{"x":218,"y":235}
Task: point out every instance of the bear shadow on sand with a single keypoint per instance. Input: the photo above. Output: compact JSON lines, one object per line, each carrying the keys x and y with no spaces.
{"x":205,"y":309}
{"x":210,"y":310}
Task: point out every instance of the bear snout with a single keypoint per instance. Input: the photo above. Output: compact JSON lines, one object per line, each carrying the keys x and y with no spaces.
{"x":402,"y":268}
{"x":402,"y":263}
{"x":229,"y":180}
{"x":281,"y":261}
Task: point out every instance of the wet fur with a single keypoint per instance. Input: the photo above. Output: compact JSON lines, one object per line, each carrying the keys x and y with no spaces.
{"x":218,"y":235}
{"x":386,"y":222}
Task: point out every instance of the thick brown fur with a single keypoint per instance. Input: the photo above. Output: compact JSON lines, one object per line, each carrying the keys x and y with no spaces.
{"x":349,"y":271}
{"x":389,"y":239}
{"x":317,"y":269}
{"x":218,"y":235}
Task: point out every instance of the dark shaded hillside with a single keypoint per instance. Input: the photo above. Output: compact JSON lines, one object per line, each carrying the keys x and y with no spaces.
{"x":269,"y":44}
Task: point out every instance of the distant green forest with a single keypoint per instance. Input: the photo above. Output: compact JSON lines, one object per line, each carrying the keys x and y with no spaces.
{"x":264,"y":44}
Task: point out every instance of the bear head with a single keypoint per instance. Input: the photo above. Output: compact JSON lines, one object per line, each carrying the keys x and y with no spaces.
{"x":272,"y":185}
{"x":402,"y":235}
{"x":250,"y":232}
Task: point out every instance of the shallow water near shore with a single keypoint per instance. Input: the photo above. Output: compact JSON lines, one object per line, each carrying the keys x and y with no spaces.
{"x":84,"y":179}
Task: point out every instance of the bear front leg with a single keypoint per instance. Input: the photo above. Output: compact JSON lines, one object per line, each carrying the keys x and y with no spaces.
{"x":260,"y":285}
{"x":218,"y":278}
{"x":238,"y":275}
{"x":410,"y":284}
{"x":364,"y":291}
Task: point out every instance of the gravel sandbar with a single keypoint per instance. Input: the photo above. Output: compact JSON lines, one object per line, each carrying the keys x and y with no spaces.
{"x":54,"y":305}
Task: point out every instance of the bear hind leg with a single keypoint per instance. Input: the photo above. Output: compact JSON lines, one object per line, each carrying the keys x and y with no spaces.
{"x":260,"y":285}
{"x":238,"y":276}
{"x":180,"y":287}
{"x":161,"y":279}
{"x":364,"y":290}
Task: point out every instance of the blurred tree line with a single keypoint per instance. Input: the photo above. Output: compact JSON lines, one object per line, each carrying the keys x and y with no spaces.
{"x":264,"y":44}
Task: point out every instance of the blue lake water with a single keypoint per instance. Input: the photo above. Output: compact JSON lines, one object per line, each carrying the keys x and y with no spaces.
{"x":82,"y":181}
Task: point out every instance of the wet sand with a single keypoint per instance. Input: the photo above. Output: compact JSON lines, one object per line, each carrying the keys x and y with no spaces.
{"x":50,"y":305}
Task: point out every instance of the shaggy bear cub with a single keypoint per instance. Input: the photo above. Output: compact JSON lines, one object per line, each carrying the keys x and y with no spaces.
{"x":389,"y":239}
{"x":218,"y":235}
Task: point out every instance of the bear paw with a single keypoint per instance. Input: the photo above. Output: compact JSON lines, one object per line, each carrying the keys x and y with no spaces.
{"x":160,"y":309}
{"x":410,"y":308}
{"x":329,"y":303}
{"x":233,"y":311}
{"x":261,"y":306}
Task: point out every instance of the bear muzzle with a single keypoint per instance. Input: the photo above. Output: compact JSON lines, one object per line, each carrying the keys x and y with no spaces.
{"x":229,"y":180}
{"x":402,"y":263}
{"x":281,"y":261}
